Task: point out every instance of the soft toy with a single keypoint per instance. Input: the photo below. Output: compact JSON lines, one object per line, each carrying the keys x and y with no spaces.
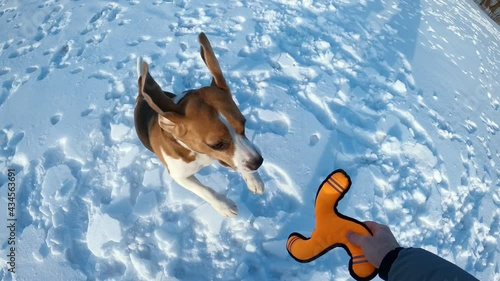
{"x":332,"y":228}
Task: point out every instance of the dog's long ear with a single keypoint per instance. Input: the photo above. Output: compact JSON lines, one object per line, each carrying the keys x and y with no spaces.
{"x":152,"y":92}
{"x":171,"y":123}
{"x":208,"y":56}
{"x":169,"y":114}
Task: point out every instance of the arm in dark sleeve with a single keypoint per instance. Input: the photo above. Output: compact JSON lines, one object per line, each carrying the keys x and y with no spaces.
{"x":417,"y":264}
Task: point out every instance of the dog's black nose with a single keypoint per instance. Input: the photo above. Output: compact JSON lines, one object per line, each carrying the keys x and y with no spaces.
{"x":255,"y":163}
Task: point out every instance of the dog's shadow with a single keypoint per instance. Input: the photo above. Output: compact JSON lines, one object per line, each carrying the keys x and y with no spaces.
{"x":280,"y":195}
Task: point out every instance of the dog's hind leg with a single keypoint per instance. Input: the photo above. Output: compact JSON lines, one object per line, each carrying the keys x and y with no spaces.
{"x":225,"y":206}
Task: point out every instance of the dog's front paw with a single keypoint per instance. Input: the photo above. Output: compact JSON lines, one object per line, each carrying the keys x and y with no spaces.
{"x":225,"y":206}
{"x":254,"y":182}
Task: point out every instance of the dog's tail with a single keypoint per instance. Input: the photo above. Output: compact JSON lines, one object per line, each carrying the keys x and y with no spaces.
{"x":139,"y":67}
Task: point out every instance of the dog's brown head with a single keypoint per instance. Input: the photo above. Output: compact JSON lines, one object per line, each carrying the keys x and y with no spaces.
{"x":206,"y":120}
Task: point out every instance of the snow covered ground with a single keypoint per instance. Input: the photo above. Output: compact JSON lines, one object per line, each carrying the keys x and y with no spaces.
{"x":402,"y":94}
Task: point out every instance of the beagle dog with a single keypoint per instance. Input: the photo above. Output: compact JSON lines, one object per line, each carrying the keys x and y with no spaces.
{"x":190,"y":131}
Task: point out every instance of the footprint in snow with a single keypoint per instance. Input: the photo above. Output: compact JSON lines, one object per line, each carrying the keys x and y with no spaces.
{"x":138,"y":41}
{"x":269,"y":121}
{"x":108,"y":14}
{"x":87,"y":111}
{"x":32,"y":69}
{"x":55,"y":118}
{"x":9,"y":141}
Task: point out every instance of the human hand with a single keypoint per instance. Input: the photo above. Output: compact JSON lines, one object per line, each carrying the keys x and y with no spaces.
{"x":377,"y":246}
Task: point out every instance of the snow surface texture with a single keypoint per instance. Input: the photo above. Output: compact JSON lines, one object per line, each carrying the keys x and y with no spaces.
{"x":403,"y":95}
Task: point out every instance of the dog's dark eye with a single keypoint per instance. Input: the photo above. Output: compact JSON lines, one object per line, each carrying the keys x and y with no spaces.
{"x":219,"y":146}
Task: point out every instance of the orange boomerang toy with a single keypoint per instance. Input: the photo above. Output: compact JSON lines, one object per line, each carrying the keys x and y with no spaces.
{"x":331,"y":229}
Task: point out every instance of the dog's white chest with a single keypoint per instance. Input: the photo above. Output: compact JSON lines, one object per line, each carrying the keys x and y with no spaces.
{"x":180,"y":169}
